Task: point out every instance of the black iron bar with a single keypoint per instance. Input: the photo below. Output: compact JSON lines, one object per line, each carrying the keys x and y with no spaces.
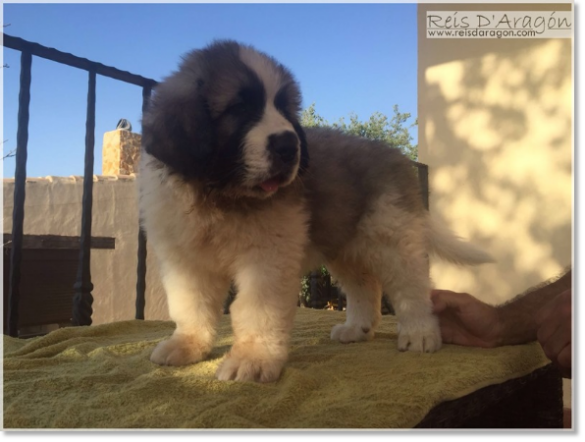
{"x":83,"y":287}
{"x":78,"y":62}
{"x":82,"y":300}
{"x":40,"y":242}
{"x":423,"y":179}
{"x":141,"y":274}
{"x":340,"y":301}
{"x":141,"y":267}
{"x":314,"y":289}
{"x":19,"y":192}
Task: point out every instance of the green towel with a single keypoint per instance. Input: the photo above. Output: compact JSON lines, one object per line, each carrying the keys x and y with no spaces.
{"x":101,"y":377}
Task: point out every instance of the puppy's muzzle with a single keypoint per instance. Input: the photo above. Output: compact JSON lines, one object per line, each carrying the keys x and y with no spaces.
{"x":284,"y":151}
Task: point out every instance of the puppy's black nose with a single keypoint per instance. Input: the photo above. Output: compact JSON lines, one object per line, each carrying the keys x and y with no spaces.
{"x":284,"y":145}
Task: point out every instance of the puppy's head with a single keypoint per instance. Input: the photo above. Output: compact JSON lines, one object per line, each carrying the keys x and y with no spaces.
{"x":229,"y":119}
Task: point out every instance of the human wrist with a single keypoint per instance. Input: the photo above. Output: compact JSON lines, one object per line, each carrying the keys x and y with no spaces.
{"x":514,"y":325}
{"x":515,"y":320}
{"x":497,"y":337}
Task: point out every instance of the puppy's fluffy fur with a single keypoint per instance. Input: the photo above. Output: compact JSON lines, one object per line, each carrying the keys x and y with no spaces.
{"x":232,"y":188}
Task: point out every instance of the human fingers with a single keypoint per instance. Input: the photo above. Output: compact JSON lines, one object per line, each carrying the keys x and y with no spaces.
{"x":438,"y":305}
{"x":564,"y":362}
{"x":561,"y":304}
{"x":446,"y":333}
{"x":451,"y":333}
{"x":443,"y":299}
{"x":556,"y":314}
{"x":557,"y":341}
{"x":548,"y":325}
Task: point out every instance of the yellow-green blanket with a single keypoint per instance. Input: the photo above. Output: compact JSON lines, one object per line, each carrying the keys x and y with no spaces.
{"x":101,"y":377}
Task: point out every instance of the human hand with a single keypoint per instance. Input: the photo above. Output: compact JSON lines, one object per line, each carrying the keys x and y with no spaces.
{"x":554,"y":331}
{"x":465,"y":320}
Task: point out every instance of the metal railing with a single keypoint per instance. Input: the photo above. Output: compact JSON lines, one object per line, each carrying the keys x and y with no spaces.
{"x":423,"y":180}
{"x":82,"y":299}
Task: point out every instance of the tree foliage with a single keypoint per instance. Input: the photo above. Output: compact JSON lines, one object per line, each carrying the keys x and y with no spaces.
{"x":395,"y":130}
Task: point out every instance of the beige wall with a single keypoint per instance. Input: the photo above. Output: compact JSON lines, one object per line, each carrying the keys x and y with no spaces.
{"x":495,"y":128}
{"x":53,"y":206}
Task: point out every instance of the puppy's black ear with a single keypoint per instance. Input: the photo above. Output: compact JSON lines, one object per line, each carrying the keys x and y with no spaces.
{"x":304,"y":163}
{"x":176,"y":129}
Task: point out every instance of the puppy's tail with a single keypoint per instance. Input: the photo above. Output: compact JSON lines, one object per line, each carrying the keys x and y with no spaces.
{"x":445,"y":244}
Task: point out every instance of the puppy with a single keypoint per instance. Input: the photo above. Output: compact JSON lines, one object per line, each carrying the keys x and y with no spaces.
{"x":233,"y":188}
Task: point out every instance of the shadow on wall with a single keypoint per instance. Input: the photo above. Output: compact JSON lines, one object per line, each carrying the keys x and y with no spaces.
{"x":498,"y":129}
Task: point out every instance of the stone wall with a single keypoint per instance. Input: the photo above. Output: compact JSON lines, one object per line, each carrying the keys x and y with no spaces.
{"x":120,"y":152}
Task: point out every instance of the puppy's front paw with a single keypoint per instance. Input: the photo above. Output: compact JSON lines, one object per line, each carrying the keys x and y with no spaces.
{"x":346,"y":333}
{"x":244,"y":364}
{"x":179,"y":350}
{"x":424,"y":339}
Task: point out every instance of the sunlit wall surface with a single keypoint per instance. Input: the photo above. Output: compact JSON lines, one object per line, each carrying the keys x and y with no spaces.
{"x":495,"y":128}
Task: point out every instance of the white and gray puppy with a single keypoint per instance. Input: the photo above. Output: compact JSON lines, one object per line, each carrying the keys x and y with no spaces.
{"x":232,"y":188}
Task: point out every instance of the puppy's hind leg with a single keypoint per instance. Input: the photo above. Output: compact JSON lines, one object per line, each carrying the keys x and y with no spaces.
{"x":418,"y":327}
{"x":195,"y":300}
{"x":364,"y":294}
{"x":405,"y":279}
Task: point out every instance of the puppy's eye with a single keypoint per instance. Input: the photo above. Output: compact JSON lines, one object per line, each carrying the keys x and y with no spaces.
{"x":281,"y":100}
{"x":287,"y":99}
{"x":237,"y":108}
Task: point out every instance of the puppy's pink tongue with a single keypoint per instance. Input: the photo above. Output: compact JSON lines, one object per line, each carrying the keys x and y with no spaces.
{"x":270,"y":185}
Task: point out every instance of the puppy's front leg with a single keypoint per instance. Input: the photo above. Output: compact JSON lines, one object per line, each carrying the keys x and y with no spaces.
{"x":262,"y":318}
{"x":195,"y":299}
